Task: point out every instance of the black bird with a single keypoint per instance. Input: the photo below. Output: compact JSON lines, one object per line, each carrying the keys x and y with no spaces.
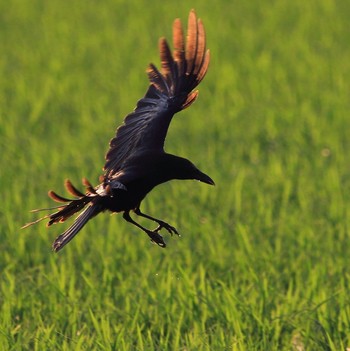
{"x":136,"y":161}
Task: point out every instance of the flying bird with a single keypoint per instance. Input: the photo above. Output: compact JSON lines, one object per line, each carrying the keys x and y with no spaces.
{"x":136,"y":161}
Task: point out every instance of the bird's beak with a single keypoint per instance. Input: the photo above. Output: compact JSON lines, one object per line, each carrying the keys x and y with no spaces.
{"x":202,"y":177}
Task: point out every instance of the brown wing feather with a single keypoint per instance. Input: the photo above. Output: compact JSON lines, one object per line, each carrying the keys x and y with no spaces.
{"x":170,"y":91}
{"x":72,"y":189}
{"x":200,"y":48}
{"x":179,"y":48}
{"x":169,"y":69}
{"x":203,"y":69}
{"x":58,"y":198}
{"x":157,"y":79}
{"x":192,"y":41}
{"x":88,"y":186}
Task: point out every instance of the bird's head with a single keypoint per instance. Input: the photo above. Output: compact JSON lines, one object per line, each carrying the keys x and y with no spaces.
{"x":185,"y":169}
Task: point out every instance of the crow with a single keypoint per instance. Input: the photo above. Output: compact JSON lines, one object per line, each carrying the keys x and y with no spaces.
{"x":136,"y":161}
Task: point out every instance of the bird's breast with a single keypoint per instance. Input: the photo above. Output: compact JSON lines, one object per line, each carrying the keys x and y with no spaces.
{"x":120,"y":200}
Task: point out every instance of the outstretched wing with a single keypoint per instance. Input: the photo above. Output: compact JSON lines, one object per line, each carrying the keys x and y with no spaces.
{"x":170,"y":91}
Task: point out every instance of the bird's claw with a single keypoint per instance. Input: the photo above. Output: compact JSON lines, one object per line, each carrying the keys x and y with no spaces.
{"x":156,"y":238}
{"x":172,"y":230}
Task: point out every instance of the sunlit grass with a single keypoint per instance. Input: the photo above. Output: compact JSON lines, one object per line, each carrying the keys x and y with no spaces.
{"x":262,"y":263}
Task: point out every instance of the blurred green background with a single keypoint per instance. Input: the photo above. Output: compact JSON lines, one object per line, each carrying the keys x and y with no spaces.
{"x":263,"y":260}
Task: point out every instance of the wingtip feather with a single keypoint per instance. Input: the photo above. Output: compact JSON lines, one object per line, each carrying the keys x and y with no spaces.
{"x":56,"y":197}
{"x":72,"y":189}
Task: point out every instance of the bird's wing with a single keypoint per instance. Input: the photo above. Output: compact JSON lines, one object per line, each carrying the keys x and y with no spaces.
{"x":170,"y":91}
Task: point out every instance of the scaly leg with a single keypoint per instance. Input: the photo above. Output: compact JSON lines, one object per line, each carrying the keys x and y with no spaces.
{"x":155,"y":237}
{"x":172,"y":230}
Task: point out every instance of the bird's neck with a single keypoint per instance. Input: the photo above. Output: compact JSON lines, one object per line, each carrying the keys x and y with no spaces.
{"x":174,"y":167}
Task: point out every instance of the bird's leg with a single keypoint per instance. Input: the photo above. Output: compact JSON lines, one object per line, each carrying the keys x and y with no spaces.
{"x":155,"y":237}
{"x":161,"y":224}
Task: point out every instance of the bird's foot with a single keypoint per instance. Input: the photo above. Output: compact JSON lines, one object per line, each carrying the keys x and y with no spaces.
{"x":172,"y":230}
{"x":156,"y":238}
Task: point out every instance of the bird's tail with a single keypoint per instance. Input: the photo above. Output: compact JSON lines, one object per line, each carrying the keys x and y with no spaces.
{"x":71,"y":207}
{"x":63,"y":239}
{"x":185,"y":69}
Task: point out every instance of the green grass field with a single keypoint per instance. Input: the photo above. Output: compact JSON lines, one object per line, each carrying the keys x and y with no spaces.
{"x":263,"y":260}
